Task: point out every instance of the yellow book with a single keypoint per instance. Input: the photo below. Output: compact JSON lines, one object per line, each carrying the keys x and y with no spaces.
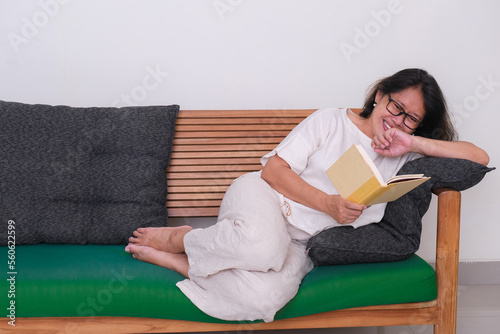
{"x":357,"y":179}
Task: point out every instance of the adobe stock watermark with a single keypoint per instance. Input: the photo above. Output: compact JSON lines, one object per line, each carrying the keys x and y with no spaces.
{"x":95,"y":304}
{"x":12,"y":272}
{"x":223,"y":7}
{"x":363,"y":36}
{"x":153,"y":78}
{"x":31,"y":26}
{"x":483,"y":91}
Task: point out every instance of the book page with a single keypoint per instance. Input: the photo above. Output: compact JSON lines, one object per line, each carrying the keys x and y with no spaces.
{"x":400,"y":178}
{"x":370,"y":163}
{"x":397,"y":190}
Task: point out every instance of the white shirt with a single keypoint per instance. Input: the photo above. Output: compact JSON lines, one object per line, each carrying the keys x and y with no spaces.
{"x":311,"y":148}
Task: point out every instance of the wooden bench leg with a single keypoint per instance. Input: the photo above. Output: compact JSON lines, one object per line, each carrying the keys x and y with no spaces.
{"x":448,"y":236}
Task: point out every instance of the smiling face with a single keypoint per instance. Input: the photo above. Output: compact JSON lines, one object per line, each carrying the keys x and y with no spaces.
{"x":410,"y":99}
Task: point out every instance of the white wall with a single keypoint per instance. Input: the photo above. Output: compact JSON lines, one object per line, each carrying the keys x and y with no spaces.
{"x":225,"y":54}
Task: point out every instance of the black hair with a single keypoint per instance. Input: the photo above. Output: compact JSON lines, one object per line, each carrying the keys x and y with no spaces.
{"x":436,"y":123}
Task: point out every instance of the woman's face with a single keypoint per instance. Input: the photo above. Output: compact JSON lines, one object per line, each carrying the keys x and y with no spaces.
{"x":410,"y":101}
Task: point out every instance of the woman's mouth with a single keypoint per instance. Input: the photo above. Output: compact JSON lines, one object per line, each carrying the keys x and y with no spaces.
{"x":386,"y":126}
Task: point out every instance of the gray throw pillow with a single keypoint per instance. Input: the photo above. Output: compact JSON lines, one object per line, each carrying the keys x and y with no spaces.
{"x":397,"y":235}
{"x":83,"y":175}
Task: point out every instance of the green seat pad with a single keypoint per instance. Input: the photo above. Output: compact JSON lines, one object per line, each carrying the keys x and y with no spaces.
{"x":104,"y":280}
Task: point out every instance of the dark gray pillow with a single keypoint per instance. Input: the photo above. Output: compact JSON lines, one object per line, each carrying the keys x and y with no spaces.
{"x":407,"y":211}
{"x":83,"y":175}
{"x":397,"y":235}
{"x":458,"y":174}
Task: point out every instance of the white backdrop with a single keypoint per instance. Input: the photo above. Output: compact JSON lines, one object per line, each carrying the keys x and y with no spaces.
{"x":225,"y":54}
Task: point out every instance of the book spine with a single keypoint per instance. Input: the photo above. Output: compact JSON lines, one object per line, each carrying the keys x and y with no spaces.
{"x":375,"y":195}
{"x":367,"y":192}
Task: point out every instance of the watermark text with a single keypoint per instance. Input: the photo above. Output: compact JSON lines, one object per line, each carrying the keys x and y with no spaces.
{"x":11,"y":271}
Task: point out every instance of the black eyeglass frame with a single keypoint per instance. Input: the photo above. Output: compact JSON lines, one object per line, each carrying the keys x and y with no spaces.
{"x":402,"y":112}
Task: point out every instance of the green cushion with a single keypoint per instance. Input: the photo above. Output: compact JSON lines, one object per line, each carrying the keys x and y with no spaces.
{"x":104,"y":280}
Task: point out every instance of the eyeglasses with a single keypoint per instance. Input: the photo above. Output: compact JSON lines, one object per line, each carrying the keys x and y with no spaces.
{"x":411,"y":122}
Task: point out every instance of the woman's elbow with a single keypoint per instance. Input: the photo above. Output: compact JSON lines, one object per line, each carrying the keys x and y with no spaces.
{"x":472,"y":152}
{"x":267,"y":171}
{"x":272,"y":169}
{"x":266,"y":174}
{"x":483,"y":158}
{"x":478,"y":155}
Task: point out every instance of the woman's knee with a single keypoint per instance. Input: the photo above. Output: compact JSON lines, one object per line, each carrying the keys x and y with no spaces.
{"x":248,"y":194}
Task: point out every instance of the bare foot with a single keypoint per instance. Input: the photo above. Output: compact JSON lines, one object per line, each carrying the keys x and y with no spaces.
{"x":176,"y":262}
{"x":167,"y":239}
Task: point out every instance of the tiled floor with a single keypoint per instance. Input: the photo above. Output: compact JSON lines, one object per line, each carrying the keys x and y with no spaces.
{"x":478,"y":313}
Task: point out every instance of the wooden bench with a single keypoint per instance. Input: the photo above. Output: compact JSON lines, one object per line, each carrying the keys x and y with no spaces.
{"x":212,"y":148}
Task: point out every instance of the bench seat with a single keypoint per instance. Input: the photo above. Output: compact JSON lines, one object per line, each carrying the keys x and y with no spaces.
{"x":104,"y":280}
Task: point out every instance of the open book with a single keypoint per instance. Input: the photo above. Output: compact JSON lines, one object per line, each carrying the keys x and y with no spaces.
{"x":357,"y":179}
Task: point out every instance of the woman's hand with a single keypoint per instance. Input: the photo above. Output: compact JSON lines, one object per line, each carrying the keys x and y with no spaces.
{"x":393,"y":143}
{"x":342,"y":210}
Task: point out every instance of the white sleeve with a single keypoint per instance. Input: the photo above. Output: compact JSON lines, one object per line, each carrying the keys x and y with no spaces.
{"x":305,"y":139}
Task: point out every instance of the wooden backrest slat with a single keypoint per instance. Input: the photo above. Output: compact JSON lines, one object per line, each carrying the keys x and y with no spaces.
{"x":189,"y":196}
{"x":195,"y":182}
{"x":215,"y":161}
{"x":241,"y":141}
{"x":232,"y":134}
{"x":239,"y":120}
{"x":194,"y":211}
{"x":275,"y":113}
{"x":207,"y":188}
{"x":213,"y":168}
{"x":218,"y":154}
{"x":195,"y":203}
{"x":213,"y":147}
{"x":223,"y":148}
{"x":202,"y":175}
{"x":197,"y":128}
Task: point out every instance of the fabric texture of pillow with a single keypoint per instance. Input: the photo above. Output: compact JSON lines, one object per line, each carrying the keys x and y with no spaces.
{"x":397,"y":235}
{"x":83,"y":175}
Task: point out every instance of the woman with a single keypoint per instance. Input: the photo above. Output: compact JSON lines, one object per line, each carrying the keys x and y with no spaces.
{"x":251,"y":263}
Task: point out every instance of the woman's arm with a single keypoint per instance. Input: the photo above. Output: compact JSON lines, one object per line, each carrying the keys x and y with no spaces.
{"x":395,"y":142}
{"x":283,"y":179}
{"x":451,"y":149}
